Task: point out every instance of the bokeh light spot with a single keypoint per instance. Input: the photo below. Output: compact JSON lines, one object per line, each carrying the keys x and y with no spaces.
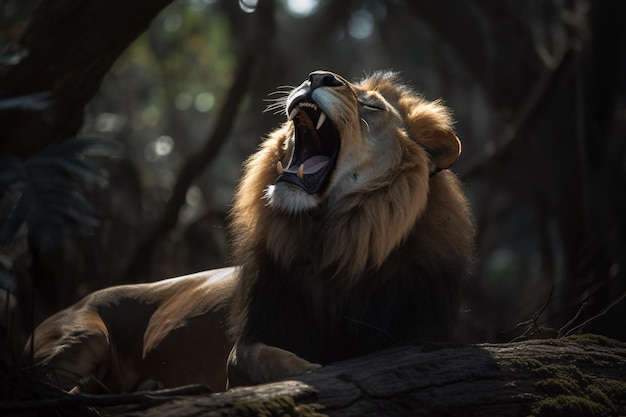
{"x":173,"y":22}
{"x":361,"y":24}
{"x":301,"y":8}
{"x":204,"y":101}
{"x":248,"y":6}
{"x":163,"y":145}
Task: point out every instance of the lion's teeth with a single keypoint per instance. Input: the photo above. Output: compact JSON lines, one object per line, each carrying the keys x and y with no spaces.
{"x":279,"y":167}
{"x":307,"y":104}
{"x":294,"y":112}
{"x":300,"y":172}
{"x":320,"y":121}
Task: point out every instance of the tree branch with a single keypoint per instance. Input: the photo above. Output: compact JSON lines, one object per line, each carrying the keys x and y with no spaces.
{"x":69,"y":46}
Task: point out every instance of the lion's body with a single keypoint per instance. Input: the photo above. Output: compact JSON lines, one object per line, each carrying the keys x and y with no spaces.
{"x":352,"y":237}
{"x":131,"y":337}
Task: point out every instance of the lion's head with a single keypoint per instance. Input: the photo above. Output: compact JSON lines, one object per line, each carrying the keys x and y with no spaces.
{"x":346,"y":138}
{"x":344,"y":181}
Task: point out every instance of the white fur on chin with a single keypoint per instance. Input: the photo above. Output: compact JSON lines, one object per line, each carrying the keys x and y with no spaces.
{"x":289,"y":198}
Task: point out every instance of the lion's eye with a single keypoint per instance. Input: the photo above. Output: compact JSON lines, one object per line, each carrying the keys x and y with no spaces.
{"x":371,"y":107}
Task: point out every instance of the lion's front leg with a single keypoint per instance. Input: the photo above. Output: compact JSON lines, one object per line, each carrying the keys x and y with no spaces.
{"x":258,"y":363}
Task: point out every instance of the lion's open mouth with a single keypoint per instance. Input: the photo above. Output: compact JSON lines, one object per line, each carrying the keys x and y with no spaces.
{"x":316,"y":148}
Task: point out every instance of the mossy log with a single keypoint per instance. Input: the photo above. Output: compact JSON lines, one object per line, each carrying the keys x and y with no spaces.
{"x":573,"y":376}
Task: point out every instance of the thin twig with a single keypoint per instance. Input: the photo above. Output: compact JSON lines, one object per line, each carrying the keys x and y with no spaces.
{"x":600,"y":314}
{"x":532,"y":325}
{"x":573,"y":320}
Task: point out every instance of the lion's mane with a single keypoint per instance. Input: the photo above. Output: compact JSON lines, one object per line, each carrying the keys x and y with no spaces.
{"x":380,"y":267}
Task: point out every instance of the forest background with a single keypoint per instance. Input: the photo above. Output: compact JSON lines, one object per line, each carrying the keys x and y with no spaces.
{"x":538,"y":89}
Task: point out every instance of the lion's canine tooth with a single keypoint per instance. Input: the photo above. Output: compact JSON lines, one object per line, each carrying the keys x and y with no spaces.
{"x":300,"y":172}
{"x":294,"y":112}
{"x":279,"y":167}
{"x":320,"y":121}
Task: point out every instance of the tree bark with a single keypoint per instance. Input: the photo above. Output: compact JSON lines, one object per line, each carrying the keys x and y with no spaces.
{"x":573,"y":376}
{"x":69,"y":46}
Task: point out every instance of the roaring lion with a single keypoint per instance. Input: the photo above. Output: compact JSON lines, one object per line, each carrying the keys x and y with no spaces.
{"x":351,"y":235}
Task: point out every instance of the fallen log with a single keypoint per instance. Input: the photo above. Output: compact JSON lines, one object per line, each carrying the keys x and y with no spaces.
{"x":573,"y":376}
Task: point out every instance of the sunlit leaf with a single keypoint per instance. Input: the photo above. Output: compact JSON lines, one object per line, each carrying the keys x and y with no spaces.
{"x":13,"y":57}
{"x":37,"y":101}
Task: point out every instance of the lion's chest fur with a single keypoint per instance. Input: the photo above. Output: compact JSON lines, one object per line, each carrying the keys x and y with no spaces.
{"x":304,"y":311}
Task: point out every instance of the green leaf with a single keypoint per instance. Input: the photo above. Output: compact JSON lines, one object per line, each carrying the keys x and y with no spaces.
{"x":44,"y":191}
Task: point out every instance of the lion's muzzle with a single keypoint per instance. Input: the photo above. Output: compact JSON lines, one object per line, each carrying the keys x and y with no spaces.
{"x":316,"y":137}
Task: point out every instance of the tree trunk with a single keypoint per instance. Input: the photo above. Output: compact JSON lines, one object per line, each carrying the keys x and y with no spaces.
{"x":573,"y":376}
{"x":68,"y":47}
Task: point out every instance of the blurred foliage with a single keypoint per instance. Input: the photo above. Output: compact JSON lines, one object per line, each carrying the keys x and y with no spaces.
{"x":44,"y":196}
{"x":163,"y":90}
{"x":45,"y":191}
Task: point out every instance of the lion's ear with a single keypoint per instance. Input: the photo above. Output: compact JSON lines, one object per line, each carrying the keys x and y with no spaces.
{"x":429,"y":124}
{"x":444,"y":149}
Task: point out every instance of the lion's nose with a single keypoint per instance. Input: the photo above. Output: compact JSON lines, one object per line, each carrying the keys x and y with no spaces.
{"x":323,"y":79}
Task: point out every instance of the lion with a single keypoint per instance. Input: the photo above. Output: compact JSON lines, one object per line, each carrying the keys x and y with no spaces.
{"x":350,"y":233}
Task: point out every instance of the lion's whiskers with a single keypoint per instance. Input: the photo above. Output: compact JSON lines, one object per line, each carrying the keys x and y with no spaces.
{"x":277,"y":104}
{"x":366,"y":124}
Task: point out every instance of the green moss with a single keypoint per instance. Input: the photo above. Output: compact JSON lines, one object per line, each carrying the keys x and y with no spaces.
{"x":565,"y":390}
{"x":569,"y":373}
{"x":615,"y":390}
{"x":555,"y":386}
{"x":570,"y":392}
{"x":526,"y":363}
{"x":594,"y":340}
{"x":570,"y":406}
{"x":281,"y":406}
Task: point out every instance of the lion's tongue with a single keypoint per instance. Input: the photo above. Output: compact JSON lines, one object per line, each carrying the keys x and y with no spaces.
{"x":311,"y":165}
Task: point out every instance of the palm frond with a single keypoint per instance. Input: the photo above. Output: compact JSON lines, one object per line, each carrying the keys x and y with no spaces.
{"x":46,"y":192}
